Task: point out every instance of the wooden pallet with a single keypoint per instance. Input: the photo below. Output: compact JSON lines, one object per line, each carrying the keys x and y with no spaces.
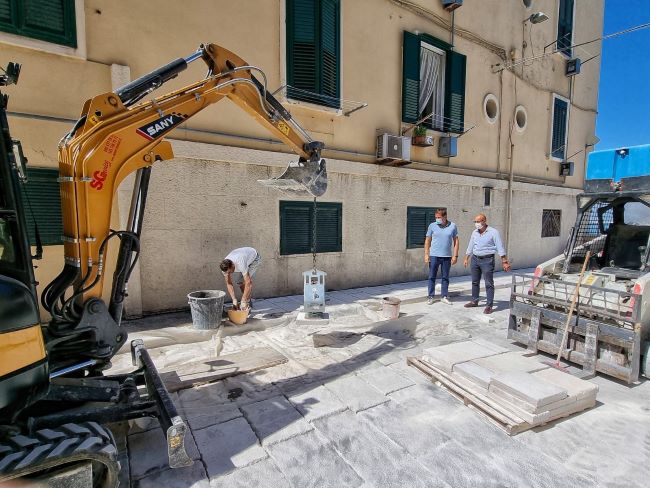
{"x":503,"y":418}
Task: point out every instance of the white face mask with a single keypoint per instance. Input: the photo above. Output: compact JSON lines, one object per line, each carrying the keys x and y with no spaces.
{"x":439,"y":221}
{"x":478,"y":225}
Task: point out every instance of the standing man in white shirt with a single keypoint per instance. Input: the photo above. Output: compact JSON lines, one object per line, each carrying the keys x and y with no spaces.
{"x":440,"y":251}
{"x":240,"y":266}
{"x":484,"y":243}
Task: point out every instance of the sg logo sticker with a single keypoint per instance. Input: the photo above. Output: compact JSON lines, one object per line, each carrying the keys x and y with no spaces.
{"x":284,"y":128}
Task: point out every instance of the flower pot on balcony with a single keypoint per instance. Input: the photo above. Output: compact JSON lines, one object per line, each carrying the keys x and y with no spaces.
{"x":423,"y":141}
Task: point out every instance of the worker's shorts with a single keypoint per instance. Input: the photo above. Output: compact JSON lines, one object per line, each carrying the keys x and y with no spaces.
{"x":238,"y":278}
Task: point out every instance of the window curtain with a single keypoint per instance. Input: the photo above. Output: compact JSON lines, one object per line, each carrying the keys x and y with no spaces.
{"x":430,"y":84}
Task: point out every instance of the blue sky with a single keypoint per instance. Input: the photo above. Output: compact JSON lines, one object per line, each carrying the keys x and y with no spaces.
{"x":624,"y":99}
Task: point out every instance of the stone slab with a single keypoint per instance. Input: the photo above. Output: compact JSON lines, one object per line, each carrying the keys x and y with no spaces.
{"x":481,"y":370}
{"x":376,"y":458}
{"x":316,"y":403}
{"x":275,"y":420}
{"x":562,"y":408}
{"x":386,"y":380}
{"x":205,"y":406}
{"x":194,"y":476}
{"x":215,"y":369}
{"x":148,"y":452}
{"x":309,"y":460}
{"x":225,"y":447}
{"x":263,"y":474}
{"x":446,"y":357}
{"x":357,"y":394}
{"x":574,"y":386}
{"x":529,"y":388}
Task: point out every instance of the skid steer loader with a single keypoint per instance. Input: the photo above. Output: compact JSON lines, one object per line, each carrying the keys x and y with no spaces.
{"x":56,"y":396}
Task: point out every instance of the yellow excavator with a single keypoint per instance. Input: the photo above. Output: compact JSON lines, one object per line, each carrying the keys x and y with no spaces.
{"x":56,"y":396}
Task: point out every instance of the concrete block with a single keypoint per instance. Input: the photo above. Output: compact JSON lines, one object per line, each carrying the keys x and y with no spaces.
{"x":445,"y":357}
{"x":148,"y":452}
{"x":525,"y":386}
{"x":263,"y":474}
{"x":577,"y":387}
{"x":386,"y":380}
{"x":304,"y":319}
{"x":225,"y":447}
{"x":356,"y":393}
{"x":317,"y":403}
{"x":275,"y":420}
{"x":474,"y":374}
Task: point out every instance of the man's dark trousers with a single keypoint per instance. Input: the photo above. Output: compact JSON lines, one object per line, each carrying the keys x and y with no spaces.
{"x":483,"y":266}
{"x":445,"y":265}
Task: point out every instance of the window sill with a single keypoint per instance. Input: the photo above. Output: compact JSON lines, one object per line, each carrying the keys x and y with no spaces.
{"x":43,"y":46}
{"x":312,"y":106}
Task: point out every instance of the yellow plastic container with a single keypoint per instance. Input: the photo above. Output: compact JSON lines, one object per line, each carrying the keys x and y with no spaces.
{"x":237,"y":317}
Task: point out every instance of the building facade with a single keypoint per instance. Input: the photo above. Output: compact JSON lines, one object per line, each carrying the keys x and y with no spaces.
{"x":486,"y":84}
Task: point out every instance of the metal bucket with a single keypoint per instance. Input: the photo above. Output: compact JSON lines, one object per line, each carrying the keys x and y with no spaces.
{"x":207,"y":308}
{"x":390,"y":307}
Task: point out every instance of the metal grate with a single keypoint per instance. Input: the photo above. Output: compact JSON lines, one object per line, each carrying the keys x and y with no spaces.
{"x":590,"y":235}
{"x":551,"y":223}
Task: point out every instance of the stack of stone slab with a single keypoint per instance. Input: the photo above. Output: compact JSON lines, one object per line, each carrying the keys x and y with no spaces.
{"x":515,"y":391}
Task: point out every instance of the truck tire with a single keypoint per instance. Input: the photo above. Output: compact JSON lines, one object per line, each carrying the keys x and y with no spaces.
{"x":34,"y":456}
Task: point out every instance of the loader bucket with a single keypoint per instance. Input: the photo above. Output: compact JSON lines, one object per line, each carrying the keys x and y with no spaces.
{"x":308,"y":178}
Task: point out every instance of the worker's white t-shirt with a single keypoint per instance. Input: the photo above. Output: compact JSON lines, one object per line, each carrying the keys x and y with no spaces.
{"x":242,"y":258}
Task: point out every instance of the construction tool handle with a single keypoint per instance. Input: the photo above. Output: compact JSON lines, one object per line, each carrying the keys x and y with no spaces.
{"x":574,"y":299}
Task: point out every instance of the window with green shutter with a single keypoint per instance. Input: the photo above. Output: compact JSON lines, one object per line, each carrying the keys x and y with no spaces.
{"x":42,"y":201}
{"x":47,"y":20}
{"x":433,"y":83}
{"x":296,"y":227}
{"x":559,"y":129}
{"x":418,"y":220}
{"x":313,"y":51}
{"x":565,"y":27}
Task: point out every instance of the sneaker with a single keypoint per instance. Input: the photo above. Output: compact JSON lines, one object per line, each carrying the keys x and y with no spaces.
{"x":487,"y":310}
{"x":471,"y":304}
{"x":446,"y":301}
{"x":430,"y":301}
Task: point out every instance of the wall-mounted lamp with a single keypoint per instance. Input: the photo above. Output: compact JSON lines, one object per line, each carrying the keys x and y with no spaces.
{"x":536,"y":18}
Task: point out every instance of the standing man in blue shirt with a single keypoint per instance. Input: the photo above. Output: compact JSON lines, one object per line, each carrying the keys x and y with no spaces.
{"x":440,"y":251}
{"x":483,"y":244}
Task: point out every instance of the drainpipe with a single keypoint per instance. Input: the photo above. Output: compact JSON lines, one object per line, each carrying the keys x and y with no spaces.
{"x":509,"y":201}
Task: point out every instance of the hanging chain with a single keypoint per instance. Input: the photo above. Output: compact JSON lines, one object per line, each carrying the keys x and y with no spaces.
{"x":313,"y":235}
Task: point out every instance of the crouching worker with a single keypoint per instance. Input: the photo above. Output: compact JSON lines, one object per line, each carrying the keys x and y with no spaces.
{"x":239,"y":267}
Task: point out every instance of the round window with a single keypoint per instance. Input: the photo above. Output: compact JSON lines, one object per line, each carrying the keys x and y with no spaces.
{"x":491,"y":108}
{"x":521,"y":118}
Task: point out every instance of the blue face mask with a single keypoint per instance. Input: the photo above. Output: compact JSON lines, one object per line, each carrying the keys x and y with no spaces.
{"x":439,"y":221}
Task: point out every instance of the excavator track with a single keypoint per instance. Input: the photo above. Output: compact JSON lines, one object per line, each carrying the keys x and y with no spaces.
{"x":35,"y":457}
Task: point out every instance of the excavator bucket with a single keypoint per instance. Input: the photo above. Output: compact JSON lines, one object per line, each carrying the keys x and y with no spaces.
{"x":302,"y":178}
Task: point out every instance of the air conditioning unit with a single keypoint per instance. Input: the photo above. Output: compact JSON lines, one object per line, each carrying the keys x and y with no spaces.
{"x":393,"y":148}
{"x":448,"y":147}
{"x":450,"y":5}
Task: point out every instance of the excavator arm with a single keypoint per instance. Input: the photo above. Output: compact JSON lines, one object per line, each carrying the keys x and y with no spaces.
{"x":117,"y":136}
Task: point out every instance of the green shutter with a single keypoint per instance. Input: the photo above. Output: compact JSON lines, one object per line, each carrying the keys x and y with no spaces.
{"x":329,"y":227}
{"x":410,"y":78}
{"x":329,"y":63}
{"x":455,"y":92}
{"x":296,"y":227}
{"x":418,"y":220}
{"x":558,"y":139}
{"x":313,"y":51}
{"x":47,"y":20}
{"x":565,"y":27}
{"x":42,"y":200}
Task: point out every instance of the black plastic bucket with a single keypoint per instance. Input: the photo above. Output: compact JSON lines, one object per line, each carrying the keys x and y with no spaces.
{"x":206,"y":307}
